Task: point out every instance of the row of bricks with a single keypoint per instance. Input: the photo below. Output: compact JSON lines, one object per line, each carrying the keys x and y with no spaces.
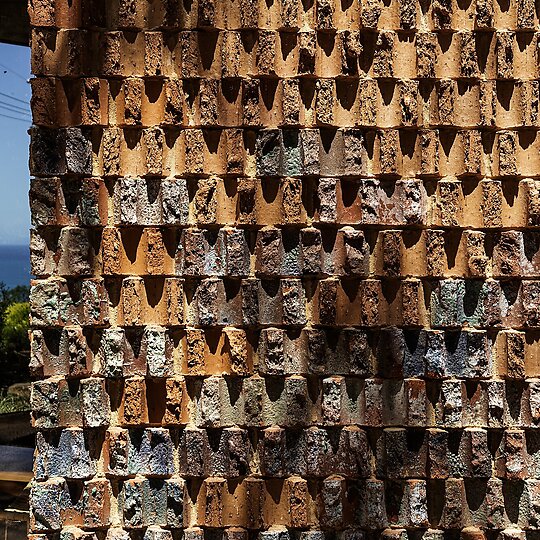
{"x":254,"y":202}
{"x":333,"y":503}
{"x":295,"y":401}
{"x":266,"y":102}
{"x":287,"y":14}
{"x":306,"y":152}
{"x":271,"y":53}
{"x":291,"y":252}
{"x":282,"y":533}
{"x":393,"y":453}
{"x":232,"y":452}
{"x":156,"y":351}
{"x":253,"y":103}
{"x":135,"y":301}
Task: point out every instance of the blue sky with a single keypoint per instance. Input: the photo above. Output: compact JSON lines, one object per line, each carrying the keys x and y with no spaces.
{"x":14,"y":140}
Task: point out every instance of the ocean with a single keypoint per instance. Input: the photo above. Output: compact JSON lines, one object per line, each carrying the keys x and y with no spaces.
{"x":15,"y":265}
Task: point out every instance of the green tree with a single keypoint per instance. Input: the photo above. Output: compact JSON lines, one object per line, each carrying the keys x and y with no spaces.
{"x":15,"y":328}
{"x":17,"y":294}
{"x":14,"y":342}
{"x":20,"y":293}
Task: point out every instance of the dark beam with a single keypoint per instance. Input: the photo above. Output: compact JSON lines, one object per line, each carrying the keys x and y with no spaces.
{"x":14,"y":22}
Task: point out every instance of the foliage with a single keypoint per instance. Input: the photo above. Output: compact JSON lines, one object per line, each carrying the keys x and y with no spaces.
{"x":10,"y":403}
{"x":20,"y":293}
{"x":16,"y":295}
{"x":14,"y":332}
{"x":14,"y":342}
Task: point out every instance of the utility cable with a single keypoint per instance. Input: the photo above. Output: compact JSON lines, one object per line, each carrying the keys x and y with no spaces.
{"x":14,"y":108}
{"x":16,"y":113}
{"x":14,"y":98}
{"x":13,"y":118}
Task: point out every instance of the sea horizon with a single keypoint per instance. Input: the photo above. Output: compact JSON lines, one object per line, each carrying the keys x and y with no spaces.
{"x":15,"y":264}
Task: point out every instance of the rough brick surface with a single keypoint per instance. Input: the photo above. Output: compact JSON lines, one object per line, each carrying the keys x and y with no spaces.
{"x":287,"y":260}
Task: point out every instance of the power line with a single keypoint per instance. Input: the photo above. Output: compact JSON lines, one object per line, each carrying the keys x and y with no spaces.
{"x":14,"y":98}
{"x":13,"y":118}
{"x":25,"y":79}
{"x":16,"y":107}
{"x":22,"y":118}
{"x":23,"y":109}
{"x":14,"y":112}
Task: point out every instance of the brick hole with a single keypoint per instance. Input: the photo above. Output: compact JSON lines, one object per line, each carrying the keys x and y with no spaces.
{"x":156,"y":398}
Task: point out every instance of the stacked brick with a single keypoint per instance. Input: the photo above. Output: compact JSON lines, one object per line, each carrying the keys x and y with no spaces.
{"x":287,"y":260}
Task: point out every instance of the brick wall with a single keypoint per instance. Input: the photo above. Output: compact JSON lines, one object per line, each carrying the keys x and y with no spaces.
{"x":287,"y":265}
